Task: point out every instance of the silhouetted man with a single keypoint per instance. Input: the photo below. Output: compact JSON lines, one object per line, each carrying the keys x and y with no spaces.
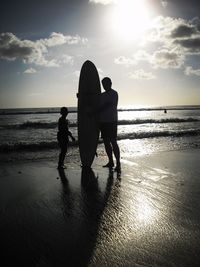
{"x":108,"y":123}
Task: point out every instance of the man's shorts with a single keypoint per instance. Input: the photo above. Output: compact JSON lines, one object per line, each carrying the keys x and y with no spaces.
{"x":108,"y":130}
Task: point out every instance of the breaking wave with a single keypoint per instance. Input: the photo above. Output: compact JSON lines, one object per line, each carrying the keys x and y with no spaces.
{"x":52,"y":125}
{"x":22,"y":146}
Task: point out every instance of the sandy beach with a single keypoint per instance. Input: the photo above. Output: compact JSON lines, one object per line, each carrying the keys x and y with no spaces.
{"x":148,"y":216}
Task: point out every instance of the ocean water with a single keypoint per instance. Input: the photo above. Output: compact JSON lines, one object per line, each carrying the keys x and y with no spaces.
{"x":139,"y":130}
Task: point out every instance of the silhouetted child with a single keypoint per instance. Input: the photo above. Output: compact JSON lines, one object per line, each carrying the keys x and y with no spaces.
{"x":63,"y":136}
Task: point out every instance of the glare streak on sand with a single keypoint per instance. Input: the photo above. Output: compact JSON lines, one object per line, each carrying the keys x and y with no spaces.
{"x":145,"y":212}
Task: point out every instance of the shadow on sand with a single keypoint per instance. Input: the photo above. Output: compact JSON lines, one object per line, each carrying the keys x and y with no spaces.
{"x":85,"y":223}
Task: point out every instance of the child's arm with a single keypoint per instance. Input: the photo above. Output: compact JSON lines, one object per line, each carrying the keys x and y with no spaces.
{"x":70,"y":134}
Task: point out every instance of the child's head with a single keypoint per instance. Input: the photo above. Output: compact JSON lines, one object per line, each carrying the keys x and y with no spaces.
{"x":64,"y":111}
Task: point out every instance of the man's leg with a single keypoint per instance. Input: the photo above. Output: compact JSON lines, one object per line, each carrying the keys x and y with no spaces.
{"x":108,"y":149}
{"x":116,"y":152}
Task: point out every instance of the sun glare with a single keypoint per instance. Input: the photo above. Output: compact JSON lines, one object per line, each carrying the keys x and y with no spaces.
{"x":130,"y":18}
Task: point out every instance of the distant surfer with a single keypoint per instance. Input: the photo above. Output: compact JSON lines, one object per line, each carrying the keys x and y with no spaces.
{"x":63,"y":136}
{"x":108,"y":123}
{"x":165,"y":111}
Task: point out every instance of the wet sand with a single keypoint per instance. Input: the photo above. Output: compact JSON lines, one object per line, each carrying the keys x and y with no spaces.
{"x":148,"y":216}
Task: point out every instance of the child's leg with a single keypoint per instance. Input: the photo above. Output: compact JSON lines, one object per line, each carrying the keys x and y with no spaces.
{"x":62,"y":156}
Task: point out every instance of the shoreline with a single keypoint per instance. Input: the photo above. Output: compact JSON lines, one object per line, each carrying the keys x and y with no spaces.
{"x":127,"y":146}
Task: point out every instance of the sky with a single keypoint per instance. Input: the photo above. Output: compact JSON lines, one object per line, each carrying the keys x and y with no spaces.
{"x":149,"y":48}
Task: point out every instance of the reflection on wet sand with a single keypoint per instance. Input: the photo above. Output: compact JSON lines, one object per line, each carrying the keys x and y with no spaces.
{"x":85,"y":223}
{"x":66,"y":196}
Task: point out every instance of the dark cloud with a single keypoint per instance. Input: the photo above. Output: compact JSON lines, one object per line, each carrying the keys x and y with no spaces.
{"x":196,"y":21}
{"x":177,"y":8}
{"x":185,"y":2}
{"x":183,"y":31}
{"x":11,"y":47}
{"x":167,"y":59}
{"x":192,"y":44}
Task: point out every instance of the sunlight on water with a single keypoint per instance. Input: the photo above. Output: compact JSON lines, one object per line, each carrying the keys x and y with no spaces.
{"x":127,"y":115}
{"x":129,"y":148}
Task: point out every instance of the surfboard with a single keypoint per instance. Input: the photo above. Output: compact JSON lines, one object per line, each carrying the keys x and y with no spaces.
{"x":89,"y":91}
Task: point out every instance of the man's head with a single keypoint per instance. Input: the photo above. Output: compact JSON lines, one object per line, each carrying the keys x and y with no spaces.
{"x":107,"y":83}
{"x":64,"y":111}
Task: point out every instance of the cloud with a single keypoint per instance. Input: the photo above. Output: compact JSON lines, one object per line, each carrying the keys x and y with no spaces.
{"x":167,"y":59}
{"x":12,"y":48}
{"x":162,"y":58}
{"x":189,"y":71}
{"x":103,"y":2}
{"x":142,"y":55}
{"x":164,"y":3}
{"x":66,"y":59}
{"x":30,"y":71}
{"x":183,"y":30}
{"x":186,"y":36}
{"x":162,"y":27}
{"x":167,"y":29}
{"x":121,"y":60}
{"x":196,"y":22}
{"x":56,"y":39}
{"x":191,"y":45}
{"x":141,"y":75}
{"x":174,"y":39}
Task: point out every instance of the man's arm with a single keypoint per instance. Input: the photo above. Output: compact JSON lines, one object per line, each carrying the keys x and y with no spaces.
{"x":104,"y":107}
{"x":98,"y":110}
